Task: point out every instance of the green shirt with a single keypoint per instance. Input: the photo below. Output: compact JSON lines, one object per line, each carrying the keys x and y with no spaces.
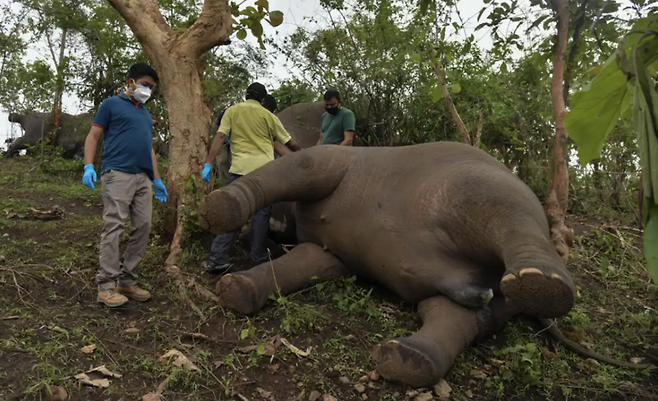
{"x":333,"y":127}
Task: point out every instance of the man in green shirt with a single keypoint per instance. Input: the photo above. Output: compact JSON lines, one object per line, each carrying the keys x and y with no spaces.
{"x":337,"y":124}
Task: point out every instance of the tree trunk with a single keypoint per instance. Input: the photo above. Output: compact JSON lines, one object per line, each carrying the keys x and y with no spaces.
{"x":59,"y":88}
{"x":558,"y":189}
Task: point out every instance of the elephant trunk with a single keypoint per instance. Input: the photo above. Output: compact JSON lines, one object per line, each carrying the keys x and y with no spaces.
{"x":307,"y":176}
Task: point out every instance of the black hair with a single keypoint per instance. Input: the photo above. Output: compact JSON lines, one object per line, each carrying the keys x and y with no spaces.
{"x":331,"y":93}
{"x":256,"y":91}
{"x":270,"y":103}
{"x":139,"y":70}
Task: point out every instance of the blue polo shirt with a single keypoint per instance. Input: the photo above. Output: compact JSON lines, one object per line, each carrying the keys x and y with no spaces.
{"x":127,"y":135}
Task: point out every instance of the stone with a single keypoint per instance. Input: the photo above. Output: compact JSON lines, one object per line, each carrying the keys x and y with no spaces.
{"x":443,"y":390}
{"x":374,"y":375}
{"x":344,"y":379}
{"x":314,"y":396}
{"x":359,"y":388}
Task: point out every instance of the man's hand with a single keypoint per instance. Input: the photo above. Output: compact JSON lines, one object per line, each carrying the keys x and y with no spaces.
{"x":160,"y":190}
{"x":205,"y":174}
{"x":89,"y":176}
{"x":293,"y":145}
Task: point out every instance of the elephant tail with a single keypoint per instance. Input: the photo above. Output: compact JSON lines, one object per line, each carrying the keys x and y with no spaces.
{"x":551,"y":327}
{"x":308,"y":176}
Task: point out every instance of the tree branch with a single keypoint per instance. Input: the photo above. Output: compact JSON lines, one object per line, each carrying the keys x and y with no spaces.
{"x":478,"y":135}
{"x":578,"y":28}
{"x":440,"y":75}
{"x":213,"y":28}
{"x":145,"y":20}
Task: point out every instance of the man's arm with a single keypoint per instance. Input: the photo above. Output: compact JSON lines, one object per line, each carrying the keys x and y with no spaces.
{"x":95,"y":134}
{"x":280,"y":149}
{"x":320,"y":140}
{"x":216,"y":146}
{"x":220,"y":137}
{"x":349,"y":122}
{"x":282,"y":136}
{"x":154,"y":159}
{"x":349,"y":138}
{"x":293,"y":145}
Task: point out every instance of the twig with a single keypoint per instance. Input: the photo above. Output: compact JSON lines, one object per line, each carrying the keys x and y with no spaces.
{"x":107,"y":350}
{"x":440,"y":75}
{"x":10,"y":318}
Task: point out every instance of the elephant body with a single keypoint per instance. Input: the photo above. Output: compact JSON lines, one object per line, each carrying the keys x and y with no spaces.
{"x":443,"y":224}
{"x":70,"y":136}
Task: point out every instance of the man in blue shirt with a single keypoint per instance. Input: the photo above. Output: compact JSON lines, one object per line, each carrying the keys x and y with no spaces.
{"x":127,"y":169}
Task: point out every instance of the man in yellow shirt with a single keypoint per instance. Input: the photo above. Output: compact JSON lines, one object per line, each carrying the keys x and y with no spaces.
{"x":252,"y":129}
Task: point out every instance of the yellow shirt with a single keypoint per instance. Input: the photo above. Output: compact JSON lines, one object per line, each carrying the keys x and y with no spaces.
{"x":251,"y":128}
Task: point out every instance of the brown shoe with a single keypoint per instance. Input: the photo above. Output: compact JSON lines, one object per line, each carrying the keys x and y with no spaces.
{"x":111,"y":298}
{"x":135,"y":293}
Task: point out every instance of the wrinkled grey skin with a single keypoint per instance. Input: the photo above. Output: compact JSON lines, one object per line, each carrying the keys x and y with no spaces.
{"x":302,"y":121}
{"x":70,"y":136}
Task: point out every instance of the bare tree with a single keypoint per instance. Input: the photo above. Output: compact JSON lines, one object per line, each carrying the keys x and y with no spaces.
{"x":558,"y":189}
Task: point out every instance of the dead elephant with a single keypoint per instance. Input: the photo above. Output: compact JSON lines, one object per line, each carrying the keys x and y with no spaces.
{"x":70,"y":136}
{"x":444,"y":225}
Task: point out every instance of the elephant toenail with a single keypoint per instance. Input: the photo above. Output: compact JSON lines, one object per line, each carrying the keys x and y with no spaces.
{"x":531,"y":270}
{"x":509,"y":277}
{"x":555,"y":276}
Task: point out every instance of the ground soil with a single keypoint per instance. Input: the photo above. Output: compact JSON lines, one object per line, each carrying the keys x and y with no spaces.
{"x":48,"y":313}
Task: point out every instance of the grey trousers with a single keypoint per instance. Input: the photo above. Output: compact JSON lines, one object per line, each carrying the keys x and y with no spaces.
{"x":260,"y":225}
{"x":124,"y":195}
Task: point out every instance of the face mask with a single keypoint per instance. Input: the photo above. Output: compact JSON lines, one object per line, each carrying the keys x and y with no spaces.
{"x":142,"y":93}
{"x":331,"y":110}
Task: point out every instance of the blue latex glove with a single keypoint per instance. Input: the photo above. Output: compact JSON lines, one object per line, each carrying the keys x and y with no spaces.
{"x":89,"y":176}
{"x":160,"y":190}
{"x":206,"y":172}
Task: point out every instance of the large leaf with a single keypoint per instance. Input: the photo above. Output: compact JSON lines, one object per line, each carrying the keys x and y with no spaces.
{"x":596,"y":109}
{"x":651,"y":241}
{"x":646,"y":123}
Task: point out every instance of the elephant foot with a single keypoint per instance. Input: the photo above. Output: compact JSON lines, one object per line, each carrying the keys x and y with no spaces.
{"x":239,"y":293}
{"x":404,"y":361}
{"x":222,"y":211}
{"x":538,"y":294}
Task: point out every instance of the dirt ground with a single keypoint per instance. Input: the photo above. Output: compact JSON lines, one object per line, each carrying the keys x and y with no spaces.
{"x":52,"y":329}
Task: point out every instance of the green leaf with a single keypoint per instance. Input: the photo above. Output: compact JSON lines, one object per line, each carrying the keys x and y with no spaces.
{"x":482,"y":25}
{"x":256,"y":29}
{"x":503,"y":68}
{"x":261,"y":349}
{"x":651,"y":241}
{"x":263,"y":4}
{"x":455,"y":88}
{"x":276,"y":18}
{"x":437,"y":95}
{"x":244,"y":334}
{"x":415,"y":56}
{"x":241,"y":34}
{"x":596,"y":109}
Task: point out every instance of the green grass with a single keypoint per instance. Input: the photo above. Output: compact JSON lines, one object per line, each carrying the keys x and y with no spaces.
{"x":47,"y":293}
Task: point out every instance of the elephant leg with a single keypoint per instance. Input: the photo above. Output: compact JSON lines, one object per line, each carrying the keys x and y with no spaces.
{"x":308,"y":176}
{"x":16,"y":146}
{"x":422,"y":359}
{"x":247,"y":292}
{"x":536,"y":279}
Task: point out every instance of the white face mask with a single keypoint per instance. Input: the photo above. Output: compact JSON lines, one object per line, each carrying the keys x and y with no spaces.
{"x":142,"y":93}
